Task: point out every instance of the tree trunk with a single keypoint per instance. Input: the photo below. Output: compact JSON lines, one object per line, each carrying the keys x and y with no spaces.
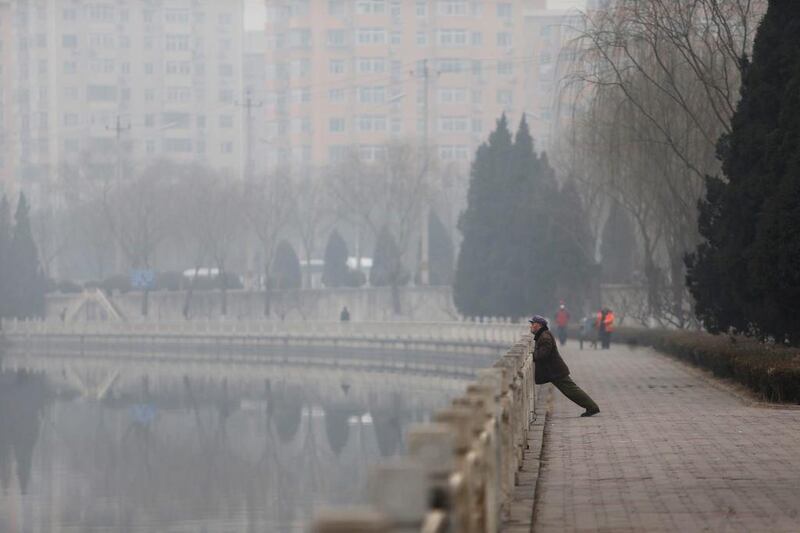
{"x":187,"y":301}
{"x":146,"y":302}
{"x":267,"y":294}
{"x":395,"y":298}
{"x":224,"y":287}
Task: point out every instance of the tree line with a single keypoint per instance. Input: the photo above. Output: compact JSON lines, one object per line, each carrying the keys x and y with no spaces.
{"x":167,"y":215}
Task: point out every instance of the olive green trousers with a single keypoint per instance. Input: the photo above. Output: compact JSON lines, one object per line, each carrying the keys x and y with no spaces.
{"x":571,"y":390}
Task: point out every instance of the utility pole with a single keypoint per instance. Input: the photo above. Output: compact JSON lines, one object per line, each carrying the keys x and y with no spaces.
{"x":118,"y":130}
{"x":424,"y":270}
{"x":249,"y":105}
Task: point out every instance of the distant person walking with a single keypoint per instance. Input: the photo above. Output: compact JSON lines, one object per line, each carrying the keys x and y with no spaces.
{"x":605,"y":327}
{"x":562,"y":321}
{"x":549,"y":367}
{"x":344,"y":316}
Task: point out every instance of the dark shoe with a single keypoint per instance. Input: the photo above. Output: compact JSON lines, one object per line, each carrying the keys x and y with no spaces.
{"x":590,"y":413}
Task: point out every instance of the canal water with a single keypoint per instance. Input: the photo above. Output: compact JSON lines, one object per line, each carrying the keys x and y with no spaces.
{"x":88,"y":446}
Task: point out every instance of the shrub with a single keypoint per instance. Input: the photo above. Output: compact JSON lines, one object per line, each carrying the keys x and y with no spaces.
{"x":770,"y":370}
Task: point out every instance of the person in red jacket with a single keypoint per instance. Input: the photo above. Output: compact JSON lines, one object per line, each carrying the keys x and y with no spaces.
{"x":562,"y":320}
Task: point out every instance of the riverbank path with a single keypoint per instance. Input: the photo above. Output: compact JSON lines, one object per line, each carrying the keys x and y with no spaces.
{"x":671,"y":450}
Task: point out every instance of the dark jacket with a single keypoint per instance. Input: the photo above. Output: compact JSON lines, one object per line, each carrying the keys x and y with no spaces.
{"x":548,"y":363}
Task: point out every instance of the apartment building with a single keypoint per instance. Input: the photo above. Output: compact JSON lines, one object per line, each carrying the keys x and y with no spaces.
{"x":8,"y":137}
{"x":550,"y":38}
{"x":99,"y":83}
{"x":356,"y":74}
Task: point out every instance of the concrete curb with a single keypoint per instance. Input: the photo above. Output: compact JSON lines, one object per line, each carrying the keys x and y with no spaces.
{"x":521,"y":512}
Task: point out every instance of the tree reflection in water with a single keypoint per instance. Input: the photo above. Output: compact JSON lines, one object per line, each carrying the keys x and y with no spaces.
{"x":202,"y":453}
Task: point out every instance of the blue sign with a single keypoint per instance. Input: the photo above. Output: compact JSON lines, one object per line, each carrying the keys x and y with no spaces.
{"x":143,"y":279}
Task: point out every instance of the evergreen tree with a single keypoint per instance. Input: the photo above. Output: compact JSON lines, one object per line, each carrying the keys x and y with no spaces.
{"x":479,"y":277}
{"x":531,"y":276}
{"x":5,"y":259}
{"x":618,"y":246}
{"x":745,"y":274}
{"x":572,"y":258}
{"x":335,"y":272}
{"x":28,"y":285}
{"x":286,"y":269}
{"x":440,"y":252}
{"x":508,"y":265}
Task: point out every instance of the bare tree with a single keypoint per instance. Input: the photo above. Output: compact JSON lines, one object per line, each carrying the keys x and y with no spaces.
{"x":310,"y":212}
{"x":653,"y":87}
{"x":394,"y":192}
{"x":219,"y":222}
{"x":267,"y":210}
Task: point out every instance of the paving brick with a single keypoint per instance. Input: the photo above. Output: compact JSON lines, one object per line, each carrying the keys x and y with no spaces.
{"x":669,"y":451}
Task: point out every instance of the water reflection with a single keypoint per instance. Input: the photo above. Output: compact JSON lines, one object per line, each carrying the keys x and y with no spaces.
{"x":204,"y":451}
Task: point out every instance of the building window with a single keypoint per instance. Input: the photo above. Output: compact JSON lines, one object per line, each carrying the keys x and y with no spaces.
{"x":336,"y":125}
{"x":69,"y":41}
{"x":371,"y":36}
{"x":336,"y":96}
{"x":453,"y":124}
{"x":226,"y":148}
{"x":371,"y":65}
{"x":371,"y":7}
{"x":451,"y":37}
{"x":453,"y":96}
{"x":422,"y":38}
{"x":477,"y":38}
{"x":505,"y":68}
{"x":177,"y":42}
{"x":371,"y":123}
{"x":371,"y":95}
{"x":226,"y":121}
{"x":337,"y":38}
{"x":336,"y":8}
{"x":70,"y":120}
{"x":149,"y":121}
{"x":447,"y":65}
{"x":422,"y":8}
{"x":179,"y":94}
{"x":504,"y":38}
{"x":336,"y":66}
{"x":504,"y":10}
{"x":453,"y":7}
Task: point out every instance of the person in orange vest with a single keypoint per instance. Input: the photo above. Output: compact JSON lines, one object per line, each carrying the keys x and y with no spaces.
{"x":605,"y":327}
{"x":562,"y":320}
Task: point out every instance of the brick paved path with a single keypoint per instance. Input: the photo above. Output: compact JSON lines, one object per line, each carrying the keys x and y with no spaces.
{"x":668,"y":452}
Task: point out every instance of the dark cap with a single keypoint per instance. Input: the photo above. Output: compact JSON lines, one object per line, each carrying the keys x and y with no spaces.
{"x":538,"y":319}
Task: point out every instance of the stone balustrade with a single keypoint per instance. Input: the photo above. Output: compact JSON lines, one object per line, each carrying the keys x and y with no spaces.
{"x":494,"y":332}
{"x":460,"y":470}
